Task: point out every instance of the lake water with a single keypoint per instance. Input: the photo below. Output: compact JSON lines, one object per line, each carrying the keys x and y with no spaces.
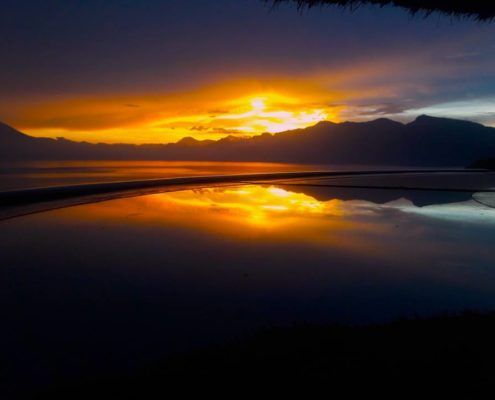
{"x":53,"y":173}
{"x":121,"y":283}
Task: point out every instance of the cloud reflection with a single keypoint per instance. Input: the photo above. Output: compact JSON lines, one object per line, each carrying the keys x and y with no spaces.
{"x":277,"y":208}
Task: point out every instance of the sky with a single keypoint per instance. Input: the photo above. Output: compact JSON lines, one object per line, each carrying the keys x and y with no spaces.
{"x":155,"y":71}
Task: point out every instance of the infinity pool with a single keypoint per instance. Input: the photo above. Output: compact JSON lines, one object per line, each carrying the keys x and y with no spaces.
{"x":127,"y":281}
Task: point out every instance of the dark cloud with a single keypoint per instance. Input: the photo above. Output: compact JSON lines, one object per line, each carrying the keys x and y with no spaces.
{"x":383,"y":109}
{"x":57,"y":50}
{"x":52,"y":47}
{"x":226,"y":131}
{"x":199,"y":128}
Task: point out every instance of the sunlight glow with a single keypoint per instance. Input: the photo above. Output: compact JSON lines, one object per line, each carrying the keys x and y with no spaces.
{"x":255,"y":204}
{"x":237,"y":109}
{"x":258,"y":104}
{"x":266,"y":114}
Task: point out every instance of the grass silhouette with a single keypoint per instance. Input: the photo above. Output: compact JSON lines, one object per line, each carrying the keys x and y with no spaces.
{"x":442,"y":352}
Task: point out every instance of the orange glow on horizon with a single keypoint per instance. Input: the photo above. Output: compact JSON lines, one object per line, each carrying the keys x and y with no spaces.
{"x":235,"y":108}
{"x":242,"y":106}
{"x":248,"y":116}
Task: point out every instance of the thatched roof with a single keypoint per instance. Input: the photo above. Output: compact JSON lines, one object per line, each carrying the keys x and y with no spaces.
{"x":482,"y":10}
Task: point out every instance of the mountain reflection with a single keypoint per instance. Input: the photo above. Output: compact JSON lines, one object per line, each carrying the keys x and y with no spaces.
{"x":306,"y":210}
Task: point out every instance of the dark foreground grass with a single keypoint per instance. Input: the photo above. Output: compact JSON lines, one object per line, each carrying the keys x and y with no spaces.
{"x":487,"y":163}
{"x":450,"y":353}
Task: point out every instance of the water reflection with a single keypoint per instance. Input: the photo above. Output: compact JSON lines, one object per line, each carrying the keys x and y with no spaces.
{"x":124,"y":281}
{"x":250,"y":212}
{"x":252,"y":204}
{"x":277,"y":207}
{"x":377,"y":228}
{"x":57,"y":173}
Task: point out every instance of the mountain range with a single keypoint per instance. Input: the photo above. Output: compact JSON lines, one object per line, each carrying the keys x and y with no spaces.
{"x":427,"y":141}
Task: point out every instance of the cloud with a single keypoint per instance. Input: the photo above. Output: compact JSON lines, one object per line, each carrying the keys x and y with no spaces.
{"x":227,"y":131}
{"x":200,"y":128}
{"x":396,"y":86}
{"x":381,"y":109}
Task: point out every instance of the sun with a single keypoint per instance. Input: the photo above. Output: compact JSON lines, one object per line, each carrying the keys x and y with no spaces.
{"x":276,"y":113}
{"x":258,"y":104}
{"x":270,"y":112}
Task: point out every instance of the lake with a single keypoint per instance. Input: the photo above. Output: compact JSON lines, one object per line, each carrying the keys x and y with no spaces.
{"x":53,"y":173}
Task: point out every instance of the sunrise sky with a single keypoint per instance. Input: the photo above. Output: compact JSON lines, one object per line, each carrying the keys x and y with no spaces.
{"x":157,"y":71}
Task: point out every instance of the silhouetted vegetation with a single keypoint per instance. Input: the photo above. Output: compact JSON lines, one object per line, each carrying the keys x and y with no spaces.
{"x":481,"y":10}
{"x":486,"y":163}
{"x":445,"y":351}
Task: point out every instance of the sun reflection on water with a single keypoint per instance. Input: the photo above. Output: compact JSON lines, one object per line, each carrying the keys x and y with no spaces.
{"x":254,"y":204}
{"x":264,"y":213}
{"x":271,"y":215}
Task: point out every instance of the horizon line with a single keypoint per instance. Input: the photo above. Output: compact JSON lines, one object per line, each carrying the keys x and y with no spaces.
{"x":240,"y":137}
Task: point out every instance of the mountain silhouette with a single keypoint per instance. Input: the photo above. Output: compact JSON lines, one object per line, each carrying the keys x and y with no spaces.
{"x":427,"y":141}
{"x":10,"y":136}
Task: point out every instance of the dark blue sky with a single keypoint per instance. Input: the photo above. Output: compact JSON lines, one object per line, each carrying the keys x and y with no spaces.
{"x":55,"y":52}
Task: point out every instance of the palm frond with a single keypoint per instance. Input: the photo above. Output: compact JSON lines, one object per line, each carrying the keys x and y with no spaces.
{"x":481,"y":10}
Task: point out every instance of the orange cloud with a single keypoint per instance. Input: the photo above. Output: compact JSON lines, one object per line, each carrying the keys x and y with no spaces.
{"x":239,"y":107}
{"x":245,"y":107}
